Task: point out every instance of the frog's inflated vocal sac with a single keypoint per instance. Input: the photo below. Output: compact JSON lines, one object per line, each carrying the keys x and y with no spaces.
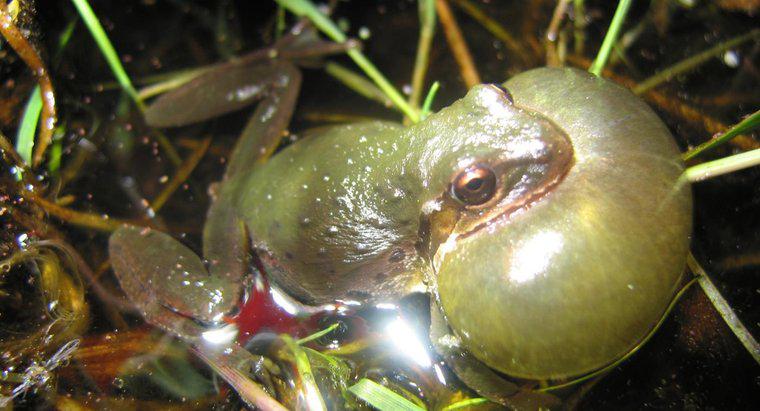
{"x":546,"y":218}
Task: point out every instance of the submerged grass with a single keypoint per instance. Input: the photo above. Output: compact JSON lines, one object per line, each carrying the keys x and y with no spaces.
{"x":107,"y":49}
{"x":381,"y":397}
{"x":28,"y":127}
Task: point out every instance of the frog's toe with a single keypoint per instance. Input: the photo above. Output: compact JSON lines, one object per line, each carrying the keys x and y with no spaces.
{"x":157,"y":273}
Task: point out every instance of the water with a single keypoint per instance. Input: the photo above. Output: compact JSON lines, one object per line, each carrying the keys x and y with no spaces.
{"x":692,"y":362}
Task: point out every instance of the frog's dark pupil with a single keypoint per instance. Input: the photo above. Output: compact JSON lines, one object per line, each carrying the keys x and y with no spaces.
{"x":474,"y":184}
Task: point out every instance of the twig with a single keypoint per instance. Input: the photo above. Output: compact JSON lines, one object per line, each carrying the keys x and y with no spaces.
{"x":552,"y":33}
{"x":183,"y":172}
{"x":494,"y":28}
{"x":93,"y":221}
{"x":27,"y":53}
{"x":579,"y":26}
{"x":457,"y":44}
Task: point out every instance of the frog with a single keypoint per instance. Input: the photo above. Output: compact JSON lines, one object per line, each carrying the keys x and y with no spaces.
{"x":546,"y":217}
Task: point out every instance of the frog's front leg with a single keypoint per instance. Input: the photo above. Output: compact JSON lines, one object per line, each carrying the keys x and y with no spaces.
{"x":157,"y":271}
{"x":225,"y":241}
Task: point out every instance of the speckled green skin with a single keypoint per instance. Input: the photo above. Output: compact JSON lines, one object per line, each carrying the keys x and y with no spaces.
{"x":579,"y":278}
{"x":337,"y":215}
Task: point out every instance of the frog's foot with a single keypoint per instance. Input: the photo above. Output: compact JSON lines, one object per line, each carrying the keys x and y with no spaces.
{"x":168,"y":282}
{"x":477,"y":375}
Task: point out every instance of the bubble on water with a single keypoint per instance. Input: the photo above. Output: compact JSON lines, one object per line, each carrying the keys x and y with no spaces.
{"x":731,"y":58}
{"x":364,"y":33}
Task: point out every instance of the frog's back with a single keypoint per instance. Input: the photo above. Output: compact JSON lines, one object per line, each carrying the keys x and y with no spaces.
{"x":330,"y":216}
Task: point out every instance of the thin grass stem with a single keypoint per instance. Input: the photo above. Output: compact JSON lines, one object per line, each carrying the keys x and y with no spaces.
{"x":693,"y":62}
{"x":610,"y":38}
{"x":357,"y":83}
{"x":170,"y":82}
{"x":426,"y":106}
{"x":427,"y":32}
{"x":307,"y":9}
{"x":724,"y":309}
{"x":710,"y":169}
{"x":748,"y":124}
{"x":318,"y":334}
{"x":107,"y":49}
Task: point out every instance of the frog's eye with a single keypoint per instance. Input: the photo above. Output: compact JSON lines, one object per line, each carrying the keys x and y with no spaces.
{"x":503,"y":90}
{"x":475,"y":185}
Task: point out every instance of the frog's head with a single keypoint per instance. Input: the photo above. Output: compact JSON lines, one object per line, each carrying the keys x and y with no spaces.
{"x":484,"y":158}
{"x":485,"y":162}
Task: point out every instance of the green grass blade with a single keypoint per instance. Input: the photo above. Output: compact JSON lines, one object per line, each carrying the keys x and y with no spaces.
{"x":429,"y":100}
{"x":56,"y":152}
{"x":724,"y":309}
{"x":357,"y":83}
{"x":465,"y":404}
{"x":317,"y":334}
{"x":744,"y":126}
{"x":96,"y":29}
{"x":313,"y":397}
{"x":305,"y":8}
{"x":381,"y":397}
{"x":28,"y":127}
{"x":722,"y":166}
{"x":610,"y":38}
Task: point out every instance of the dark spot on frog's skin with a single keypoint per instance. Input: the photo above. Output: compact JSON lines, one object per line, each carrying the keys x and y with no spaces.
{"x":380,"y":277}
{"x":288,"y":255}
{"x":397,"y":255}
